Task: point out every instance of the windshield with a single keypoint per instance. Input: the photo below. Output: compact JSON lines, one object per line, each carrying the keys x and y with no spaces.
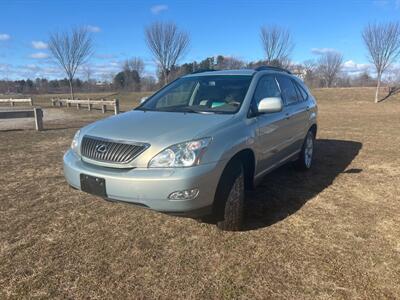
{"x":201,"y":94}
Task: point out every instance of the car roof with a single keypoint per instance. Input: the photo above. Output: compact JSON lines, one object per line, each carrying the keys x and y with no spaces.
{"x":245,"y":72}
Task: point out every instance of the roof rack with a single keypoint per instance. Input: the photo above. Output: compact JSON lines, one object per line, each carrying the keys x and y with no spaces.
{"x":203,"y":70}
{"x":266,"y":68}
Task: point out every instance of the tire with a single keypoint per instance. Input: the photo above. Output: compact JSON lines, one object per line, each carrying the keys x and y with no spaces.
{"x":304,"y":162}
{"x":229,"y":198}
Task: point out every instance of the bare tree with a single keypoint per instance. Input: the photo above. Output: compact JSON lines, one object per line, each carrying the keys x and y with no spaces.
{"x":363,"y":79}
{"x":87,"y":72}
{"x":393,"y":77}
{"x":133,"y":70}
{"x":310,"y":70}
{"x":278,"y":45}
{"x":329,"y":66}
{"x":168,"y":44}
{"x":71,"y":50}
{"x":383,"y":44}
{"x":393,"y":82}
{"x":310,"y":66}
{"x":229,"y":63}
{"x":107,"y":77}
{"x":135,"y":64}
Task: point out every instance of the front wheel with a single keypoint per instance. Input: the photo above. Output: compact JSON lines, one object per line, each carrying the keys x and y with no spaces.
{"x":229,"y":202}
{"x":305,"y":159}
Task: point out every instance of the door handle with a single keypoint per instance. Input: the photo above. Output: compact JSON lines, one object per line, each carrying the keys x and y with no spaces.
{"x":287,"y":115}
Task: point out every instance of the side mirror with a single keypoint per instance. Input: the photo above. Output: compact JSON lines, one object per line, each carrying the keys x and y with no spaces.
{"x":143,"y":99}
{"x":270,"y":105}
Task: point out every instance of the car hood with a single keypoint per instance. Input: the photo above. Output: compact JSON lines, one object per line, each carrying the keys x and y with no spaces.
{"x":156,"y":128}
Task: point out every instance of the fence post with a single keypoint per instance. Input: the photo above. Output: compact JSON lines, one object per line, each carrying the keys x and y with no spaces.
{"x":103,"y":107}
{"x":89,"y":107}
{"x":31,"y":101}
{"x":78,"y":105}
{"x":116,"y":106}
{"x":11,"y":102}
{"x":38,"y":118}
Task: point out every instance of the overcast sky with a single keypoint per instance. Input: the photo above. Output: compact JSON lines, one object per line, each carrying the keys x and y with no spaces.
{"x":216,"y":27}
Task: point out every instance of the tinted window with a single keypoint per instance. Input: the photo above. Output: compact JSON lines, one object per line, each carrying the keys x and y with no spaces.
{"x":266,"y":87}
{"x":288,"y":90}
{"x":301,"y":91}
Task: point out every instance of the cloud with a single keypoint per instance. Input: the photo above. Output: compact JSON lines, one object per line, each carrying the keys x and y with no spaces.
{"x":92,"y":28}
{"x":39,"y":45}
{"x":100,"y":70}
{"x":156,"y":9}
{"x":33,"y":71}
{"x":351,"y":67}
{"x":4,"y":37}
{"x":4,"y":67}
{"x":14,"y":72}
{"x":50,"y":70}
{"x":321,"y":51}
{"x":39,"y":55}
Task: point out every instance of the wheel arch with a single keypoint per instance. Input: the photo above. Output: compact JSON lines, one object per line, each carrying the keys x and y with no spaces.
{"x":314,"y":129}
{"x":248,"y":160}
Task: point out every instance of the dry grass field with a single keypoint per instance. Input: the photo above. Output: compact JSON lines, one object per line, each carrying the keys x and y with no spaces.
{"x":331,"y":233}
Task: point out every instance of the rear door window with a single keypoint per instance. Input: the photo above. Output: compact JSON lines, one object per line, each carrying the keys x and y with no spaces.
{"x":302,"y":93}
{"x":288,"y":90}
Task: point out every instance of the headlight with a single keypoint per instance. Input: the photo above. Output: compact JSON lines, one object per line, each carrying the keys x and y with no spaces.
{"x":181,"y":155}
{"x":75,"y":142}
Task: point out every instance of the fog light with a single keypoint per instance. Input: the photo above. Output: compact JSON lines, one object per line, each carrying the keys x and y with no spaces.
{"x":184,"y":195}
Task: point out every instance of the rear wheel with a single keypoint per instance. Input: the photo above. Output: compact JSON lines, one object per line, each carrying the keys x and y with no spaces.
{"x":305,"y":159}
{"x":229,"y":198}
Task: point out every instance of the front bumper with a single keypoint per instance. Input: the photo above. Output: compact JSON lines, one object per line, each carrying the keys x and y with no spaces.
{"x":151,"y":187}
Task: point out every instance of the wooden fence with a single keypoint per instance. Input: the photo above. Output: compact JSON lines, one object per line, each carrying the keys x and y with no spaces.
{"x":14,"y":113}
{"x":13,"y":101}
{"x":88,"y":102}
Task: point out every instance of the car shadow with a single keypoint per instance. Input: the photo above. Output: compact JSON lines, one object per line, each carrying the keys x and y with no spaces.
{"x":285,"y":190}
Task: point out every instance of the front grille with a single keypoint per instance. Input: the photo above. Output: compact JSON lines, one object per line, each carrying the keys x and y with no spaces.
{"x":110,"y":151}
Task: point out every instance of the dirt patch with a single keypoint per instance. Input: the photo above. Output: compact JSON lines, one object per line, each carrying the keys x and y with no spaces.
{"x":330,"y":233}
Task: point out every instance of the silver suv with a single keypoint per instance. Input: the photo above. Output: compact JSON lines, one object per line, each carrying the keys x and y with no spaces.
{"x":195,"y":146}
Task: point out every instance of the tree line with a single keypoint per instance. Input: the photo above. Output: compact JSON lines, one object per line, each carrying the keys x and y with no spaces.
{"x":169,"y":44}
{"x":130,"y":80}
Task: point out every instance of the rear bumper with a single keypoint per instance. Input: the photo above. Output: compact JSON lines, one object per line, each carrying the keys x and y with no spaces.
{"x":151,"y":187}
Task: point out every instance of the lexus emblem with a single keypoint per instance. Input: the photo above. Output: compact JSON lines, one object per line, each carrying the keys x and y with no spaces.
{"x":101,"y":148}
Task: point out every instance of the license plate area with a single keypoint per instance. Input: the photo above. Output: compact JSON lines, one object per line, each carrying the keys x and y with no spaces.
{"x":93,"y":185}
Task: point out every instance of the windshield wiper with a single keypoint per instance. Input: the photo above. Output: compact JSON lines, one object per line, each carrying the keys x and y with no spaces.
{"x":144,"y":109}
{"x":188,"y":109}
{"x":180,"y":109}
